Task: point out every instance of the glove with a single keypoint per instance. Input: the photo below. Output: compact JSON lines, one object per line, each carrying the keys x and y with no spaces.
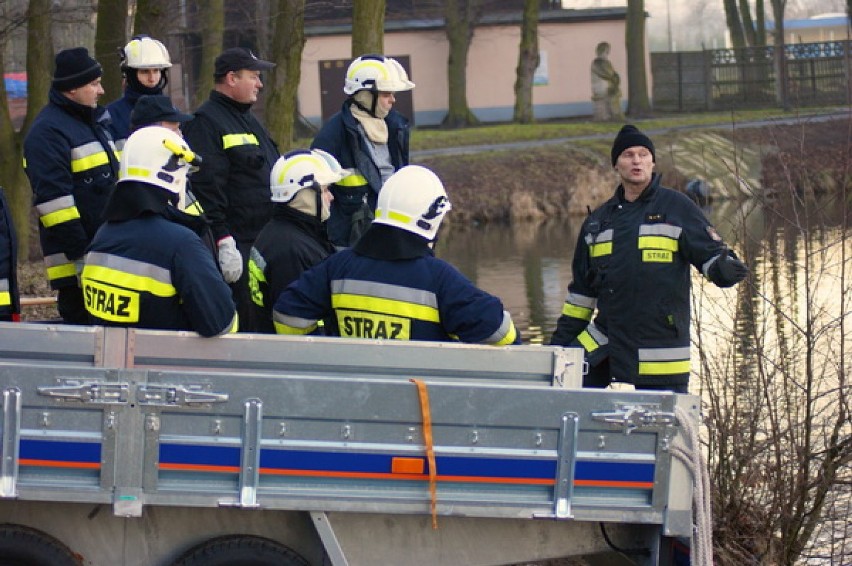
{"x":727,"y":270}
{"x":230,"y":260}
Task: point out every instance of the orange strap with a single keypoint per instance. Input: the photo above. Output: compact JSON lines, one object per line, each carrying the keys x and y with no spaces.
{"x":430,"y":447}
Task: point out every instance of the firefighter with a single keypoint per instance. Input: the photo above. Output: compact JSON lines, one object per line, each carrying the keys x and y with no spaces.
{"x":72,"y":166}
{"x":10,"y":300}
{"x":632,"y":266}
{"x":294,"y":239}
{"x":147,"y":266}
{"x":233,"y":186}
{"x":389,"y":284}
{"x":368,"y":137}
{"x":145,"y":64}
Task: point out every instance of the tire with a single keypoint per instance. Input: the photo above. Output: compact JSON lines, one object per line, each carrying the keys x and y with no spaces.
{"x":23,"y":546}
{"x":240,"y":550}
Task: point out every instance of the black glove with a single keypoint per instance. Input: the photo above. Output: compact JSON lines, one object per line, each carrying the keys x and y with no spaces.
{"x":727,"y":270}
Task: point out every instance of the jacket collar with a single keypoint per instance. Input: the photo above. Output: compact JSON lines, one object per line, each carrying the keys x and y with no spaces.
{"x":381,"y":241}
{"x":647,"y":194}
{"x":87,"y":114}
{"x":240,"y":107}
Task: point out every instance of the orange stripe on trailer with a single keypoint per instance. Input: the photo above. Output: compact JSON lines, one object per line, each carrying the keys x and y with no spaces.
{"x":59,"y":464}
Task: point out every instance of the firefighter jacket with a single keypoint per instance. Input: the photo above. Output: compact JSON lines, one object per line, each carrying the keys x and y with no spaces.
{"x":391,"y":286}
{"x":150,"y":269}
{"x":632,"y":264}
{"x":119,"y":114}
{"x":10,"y":300}
{"x":72,"y":166}
{"x":342,"y":136}
{"x":290,"y":243}
{"x":233,"y":181}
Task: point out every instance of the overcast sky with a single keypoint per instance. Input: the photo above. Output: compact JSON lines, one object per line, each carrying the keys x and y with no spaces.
{"x":700,"y":23}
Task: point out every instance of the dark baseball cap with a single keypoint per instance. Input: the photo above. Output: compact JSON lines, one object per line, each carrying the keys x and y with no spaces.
{"x":153,"y":108}
{"x":237,"y":59}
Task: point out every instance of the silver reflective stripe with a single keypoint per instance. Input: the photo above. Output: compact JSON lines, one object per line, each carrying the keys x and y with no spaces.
{"x":56,"y":259}
{"x":705,"y":268}
{"x":663,"y":354}
{"x":131,"y":266}
{"x":605,"y":236}
{"x":581,"y":300}
{"x":384,"y":291}
{"x":91,"y":148}
{"x":597,"y":334}
{"x":660,"y":230}
{"x":501,"y":332}
{"x":60,"y":203}
{"x":258,"y":259}
{"x":292,"y":321}
{"x":4,"y":285}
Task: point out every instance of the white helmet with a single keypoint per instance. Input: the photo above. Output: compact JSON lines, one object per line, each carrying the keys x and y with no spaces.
{"x":144,"y":52}
{"x":376,"y":73}
{"x":301,"y":169}
{"x":157,"y":156}
{"x":413,"y":199}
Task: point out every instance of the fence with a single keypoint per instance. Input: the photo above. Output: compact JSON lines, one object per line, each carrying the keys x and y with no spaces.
{"x":720,"y":79}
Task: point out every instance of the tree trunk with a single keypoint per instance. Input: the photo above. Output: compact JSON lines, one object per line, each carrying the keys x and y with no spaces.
{"x":283,"y":82}
{"x":760,"y":19}
{"x":109,"y":37}
{"x":528,"y":60}
{"x":212,"y":36}
{"x":152,"y":18}
{"x":638,"y":104}
{"x":748,"y":24}
{"x":368,"y":27}
{"x":460,"y":16}
{"x":782,"y":97}
{"x":735,"y":27}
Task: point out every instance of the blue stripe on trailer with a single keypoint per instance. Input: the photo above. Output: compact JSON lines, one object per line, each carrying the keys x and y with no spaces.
{"x":59,"y":451}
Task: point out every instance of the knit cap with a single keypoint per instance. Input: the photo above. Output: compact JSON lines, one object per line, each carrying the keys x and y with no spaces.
{"x":630,"y":136}
{"x":75,"y":68}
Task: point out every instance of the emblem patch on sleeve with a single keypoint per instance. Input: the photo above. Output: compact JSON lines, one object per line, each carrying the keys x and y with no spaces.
{"x":713,"y":234}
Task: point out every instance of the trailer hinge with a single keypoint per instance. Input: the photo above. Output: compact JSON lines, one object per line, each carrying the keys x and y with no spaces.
{"x":171,"y":395}
{"x":87,"y":391}
{"x":631,"y":417}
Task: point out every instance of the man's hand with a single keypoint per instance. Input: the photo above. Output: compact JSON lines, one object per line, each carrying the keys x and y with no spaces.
{"x":230,"y":259}
{"x":728,"y":270}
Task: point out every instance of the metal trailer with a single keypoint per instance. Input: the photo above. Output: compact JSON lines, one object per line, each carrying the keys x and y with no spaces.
{"x":157,"y":448}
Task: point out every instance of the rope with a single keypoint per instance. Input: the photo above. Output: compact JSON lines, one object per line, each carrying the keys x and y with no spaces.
{"x":430,"y":447}
{"x":688,"y":451}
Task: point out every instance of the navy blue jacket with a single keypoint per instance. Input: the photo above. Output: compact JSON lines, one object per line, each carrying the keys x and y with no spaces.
{"x":340,"y":136}
{"x":119,"y":113}
{"x":10,"y":300}
{"x":72,"y":166}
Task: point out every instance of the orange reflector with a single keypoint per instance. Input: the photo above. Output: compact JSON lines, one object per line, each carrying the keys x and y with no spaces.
{"x":408,"y":465}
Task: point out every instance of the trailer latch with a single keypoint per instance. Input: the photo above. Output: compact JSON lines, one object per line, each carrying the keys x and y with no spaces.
{"x":157,"y":394}
{"x":87,"y":391}
{"x":631,"y":417}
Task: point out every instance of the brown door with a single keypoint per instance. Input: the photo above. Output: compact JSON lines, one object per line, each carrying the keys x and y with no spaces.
{"x":333,"y":72}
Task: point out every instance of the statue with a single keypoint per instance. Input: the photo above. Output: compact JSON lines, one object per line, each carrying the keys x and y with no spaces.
{"x":606,"y":86}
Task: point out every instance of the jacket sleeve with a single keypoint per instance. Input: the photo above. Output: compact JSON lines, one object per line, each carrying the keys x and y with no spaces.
{"x":471,"y":314}
{"x":701,"y":243}
{"x":581,"y":300}
{"x":47,"y":155}
{"x":208,"y":183}
{"x":206,"y":298}
{"x":306,"y":301}
{"x":10,"y":304}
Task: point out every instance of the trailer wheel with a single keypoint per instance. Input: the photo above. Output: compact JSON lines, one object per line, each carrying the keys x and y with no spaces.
{"x":240,"y":550}
{"x":23,"y":546}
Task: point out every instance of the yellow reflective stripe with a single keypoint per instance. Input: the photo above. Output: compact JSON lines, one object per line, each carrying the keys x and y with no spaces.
{"x":60,"y":216}
{"x":5,"y":298}
{"x":574,"y":311}
{"x":61,"y":271}
{"x":108,"y":302}
{"x":89,"y":162}
{"x":353,"y":180}
{"x":194,"y":208}
{"x":597,"y":250}
{"x":138,"y":172}
{"x":657,"y":243}
{"x":281,"y":328}
{"x":235,"y":325}
{"x":233,"y":140}
{"x":586,"y":340}
{"x":663,"y":368}
{"x":390,"y":306}
{"x":129,"y":280}
{"x":256,"y":276}
{"x":509,"y":338}
{"x":393,"y":215}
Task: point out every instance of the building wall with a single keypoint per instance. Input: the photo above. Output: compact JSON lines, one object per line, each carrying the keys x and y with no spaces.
{"x":567,"y":47}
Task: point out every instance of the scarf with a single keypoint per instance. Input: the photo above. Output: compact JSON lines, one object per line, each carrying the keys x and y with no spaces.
{"x":374,"y":125}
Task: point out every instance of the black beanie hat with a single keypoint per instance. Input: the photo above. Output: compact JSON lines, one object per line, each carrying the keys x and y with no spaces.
{"x":74,"y":68}
{"x":630,"y":136}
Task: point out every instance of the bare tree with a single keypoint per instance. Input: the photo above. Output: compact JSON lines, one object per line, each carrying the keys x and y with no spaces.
{"x":110,"y":35}
{"x":638,"y":103}
{"x":781,"y":95}
{"x":212,"y":34}
{"x":287,"y":45}
{"x":460,"y":19}
{"x":528,"y":60}
{"x":735,"y":26}
{"x":368,"y":27}
{"x":152,"y":18}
